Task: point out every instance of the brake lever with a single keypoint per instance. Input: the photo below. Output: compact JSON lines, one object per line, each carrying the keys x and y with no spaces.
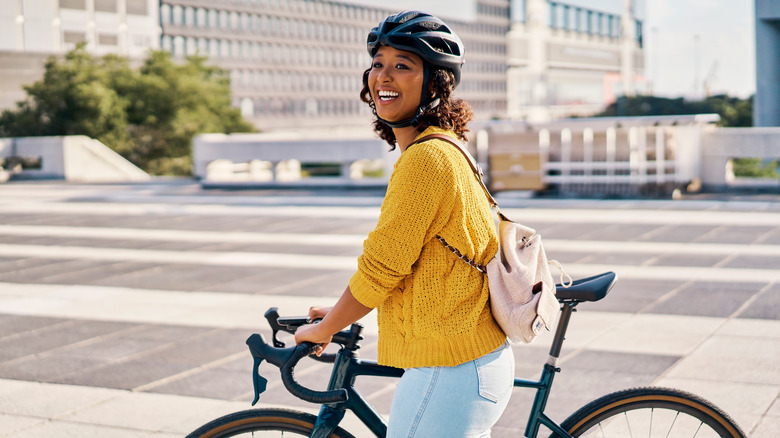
{"x":258,"y":382}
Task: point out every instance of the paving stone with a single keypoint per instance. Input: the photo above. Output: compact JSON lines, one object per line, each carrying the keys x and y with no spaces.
{"x":218,"y":383}
{"x":702,"y":260}
{"x":633,"y":295}
{"x":736,"y":234}
{"x":772,"y":238}
{"x":620,"y":232}
{"x":50,"y":369}
{"x":10,"y":424}
{"x":645,"y":364}
{"x":9,"y":266}
{"x":608,"y":258}
{"x":210,"y":346}
{"x":126,"y":375}
{"x":332,"y":284}
{"x":12,"y":239}
{"x":99,"y":272}
{"x":722,"y":355}
{"x":754,"y":262}
{"x":572,"y":390}
{"x":678,"y":233}
{"x":112,"y":349}
{"x":41,"y":272}
{"x":707,"y":299}
{"x":268,"y":281}
{"x":165,"y":276}
{"x":56,"y":336}
{"x":166,"y":333}
{"x":566,"y":231}
{"x":15,"y":324}
{"x":767,"y":306}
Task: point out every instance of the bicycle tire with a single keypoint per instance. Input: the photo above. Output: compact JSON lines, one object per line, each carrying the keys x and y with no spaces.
{"x":669,"y":412}
{"x":262,"y":423}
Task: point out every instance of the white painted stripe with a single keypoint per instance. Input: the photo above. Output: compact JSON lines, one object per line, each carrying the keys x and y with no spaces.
{"x":350,"y":263}
{"x":208,"y":309}
{"x":633,"y":247}
{"x":682,"y":273}
{"x":356,"y":240}
{"x":197,"y":257}
{"x":183,"y":235}
{"x":525,"y":215}
{"x":33,"y":409}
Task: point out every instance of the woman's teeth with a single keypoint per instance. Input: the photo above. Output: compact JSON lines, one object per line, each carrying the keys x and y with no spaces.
{"x":387,"y":95}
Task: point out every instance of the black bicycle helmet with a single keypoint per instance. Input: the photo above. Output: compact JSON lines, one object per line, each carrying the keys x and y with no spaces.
{"x":426,"y":36}
{"x":420,"y":33}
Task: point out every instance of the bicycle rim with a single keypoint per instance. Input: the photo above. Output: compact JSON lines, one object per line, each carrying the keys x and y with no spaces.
{"x":262,"y":423}
{"x":652,"y":412}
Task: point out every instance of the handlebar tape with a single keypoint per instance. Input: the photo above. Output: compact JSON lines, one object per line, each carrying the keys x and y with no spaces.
{"x":288,"y":378}
{"x":286,"y":359}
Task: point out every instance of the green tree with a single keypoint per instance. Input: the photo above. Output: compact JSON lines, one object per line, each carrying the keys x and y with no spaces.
{"x":734,"y":112}
{"x":148,"y":115}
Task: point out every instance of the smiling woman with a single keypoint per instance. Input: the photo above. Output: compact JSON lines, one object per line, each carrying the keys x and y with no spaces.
{"x":435,"y":320}
{"x":404,"y":48}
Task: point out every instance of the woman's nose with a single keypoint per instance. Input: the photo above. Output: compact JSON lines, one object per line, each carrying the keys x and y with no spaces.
{"x":383,"y":75}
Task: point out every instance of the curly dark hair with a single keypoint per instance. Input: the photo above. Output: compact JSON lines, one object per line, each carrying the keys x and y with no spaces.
{"x":451,"y":113}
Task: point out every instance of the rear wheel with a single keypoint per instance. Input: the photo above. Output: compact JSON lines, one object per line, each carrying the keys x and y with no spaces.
{"x":263,"y":423}
{"x":651,"y":412}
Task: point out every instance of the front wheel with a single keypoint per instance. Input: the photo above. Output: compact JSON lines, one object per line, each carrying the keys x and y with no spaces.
{"x":263,"y":423}
{"x":651,"y":412}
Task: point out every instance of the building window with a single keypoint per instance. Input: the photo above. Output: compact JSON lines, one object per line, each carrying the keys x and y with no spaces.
{"x":137,"y":7}
{"x":188,"y":17}
{"x":74,"y":37}
{"x":177,"y":15}
{"x":105,"y":6}
{"x":639,"y":36}
{"x":224,"y":20}
{"x":73,"y":4}
{"x":105,"y":39}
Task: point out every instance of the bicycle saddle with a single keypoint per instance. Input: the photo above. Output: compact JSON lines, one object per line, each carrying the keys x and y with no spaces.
{"x":586,"y":289}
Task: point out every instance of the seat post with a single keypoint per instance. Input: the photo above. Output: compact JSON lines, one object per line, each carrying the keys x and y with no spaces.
{"x":560,"y":333}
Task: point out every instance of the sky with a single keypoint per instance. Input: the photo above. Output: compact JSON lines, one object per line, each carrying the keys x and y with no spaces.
{"x":687,"y":42}
{"x":725,"y":52}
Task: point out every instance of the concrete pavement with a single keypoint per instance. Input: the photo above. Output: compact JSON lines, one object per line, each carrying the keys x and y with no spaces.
{"x":124,"y":308}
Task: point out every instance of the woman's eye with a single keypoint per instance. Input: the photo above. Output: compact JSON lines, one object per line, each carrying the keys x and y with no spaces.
{"x":401,"y":66}
{"x":376,"y":65}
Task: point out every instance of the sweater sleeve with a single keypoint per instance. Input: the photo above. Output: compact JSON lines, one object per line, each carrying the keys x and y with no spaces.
{"x":418,"y":203}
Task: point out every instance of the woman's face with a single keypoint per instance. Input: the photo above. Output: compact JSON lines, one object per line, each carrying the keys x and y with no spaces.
{"x":395,"y":82}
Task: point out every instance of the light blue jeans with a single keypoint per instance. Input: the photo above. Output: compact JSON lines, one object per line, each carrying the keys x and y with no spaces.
{"x":461,"y":401}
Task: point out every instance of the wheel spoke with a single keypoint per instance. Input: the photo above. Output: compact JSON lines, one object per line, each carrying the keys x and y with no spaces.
{"x":671,"y":426}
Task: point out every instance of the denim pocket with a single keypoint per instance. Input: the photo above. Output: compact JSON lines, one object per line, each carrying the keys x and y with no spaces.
{"x":495,"y":373}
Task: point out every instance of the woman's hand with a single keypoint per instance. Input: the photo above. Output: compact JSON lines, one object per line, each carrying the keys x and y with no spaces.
{"x":346,"y":311}
{"x":313,"y":333}
{"x":316,"y":313}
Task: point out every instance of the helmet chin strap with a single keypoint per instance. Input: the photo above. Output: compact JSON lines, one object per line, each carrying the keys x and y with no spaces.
{"x":424,"y":105}
{"x":413,"y":120}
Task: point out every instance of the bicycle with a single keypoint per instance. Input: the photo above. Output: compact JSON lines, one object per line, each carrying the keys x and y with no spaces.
{"x":668,"y":412}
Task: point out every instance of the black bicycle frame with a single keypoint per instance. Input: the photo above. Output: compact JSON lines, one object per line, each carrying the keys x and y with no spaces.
{"x":347,"y":367}
{"x":544,"y":384}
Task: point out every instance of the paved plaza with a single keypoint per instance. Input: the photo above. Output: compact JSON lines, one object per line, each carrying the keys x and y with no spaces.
{"x":124,"y":308}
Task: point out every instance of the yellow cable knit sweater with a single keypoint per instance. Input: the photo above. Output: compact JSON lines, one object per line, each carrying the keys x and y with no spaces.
{"x":433,"y":308}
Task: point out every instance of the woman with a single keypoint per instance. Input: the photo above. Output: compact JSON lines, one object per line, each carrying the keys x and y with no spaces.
{"x":433,"y":311}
